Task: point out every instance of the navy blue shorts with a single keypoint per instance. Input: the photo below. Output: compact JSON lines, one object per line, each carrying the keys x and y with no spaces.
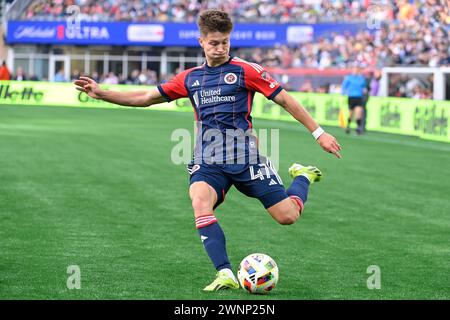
{"x":259,"y":181}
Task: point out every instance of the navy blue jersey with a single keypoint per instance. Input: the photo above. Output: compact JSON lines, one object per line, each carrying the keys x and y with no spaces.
{"x":222,"y":99}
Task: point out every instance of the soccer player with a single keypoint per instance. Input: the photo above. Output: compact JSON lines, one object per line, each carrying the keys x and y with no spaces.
{"x":221,"y":92}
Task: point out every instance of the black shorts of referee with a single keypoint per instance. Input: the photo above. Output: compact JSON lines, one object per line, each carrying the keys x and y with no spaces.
{"x":354,"y":102}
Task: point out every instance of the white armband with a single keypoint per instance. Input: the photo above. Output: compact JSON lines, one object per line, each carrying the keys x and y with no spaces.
{"x":318,"y":132}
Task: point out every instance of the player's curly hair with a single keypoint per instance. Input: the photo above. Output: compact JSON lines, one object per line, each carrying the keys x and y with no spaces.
{"x":214,"y":21}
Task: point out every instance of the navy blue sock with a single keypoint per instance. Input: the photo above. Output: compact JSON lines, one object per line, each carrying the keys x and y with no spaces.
{"x":299,"y":188}
{"x":213,"y":240}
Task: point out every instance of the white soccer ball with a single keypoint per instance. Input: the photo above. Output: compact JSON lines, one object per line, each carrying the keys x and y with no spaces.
{"x":258,"y":273}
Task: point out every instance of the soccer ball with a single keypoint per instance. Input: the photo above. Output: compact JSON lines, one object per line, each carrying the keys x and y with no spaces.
{"x":258,"y":273}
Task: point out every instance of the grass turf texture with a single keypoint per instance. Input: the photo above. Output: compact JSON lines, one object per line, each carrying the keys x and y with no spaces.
{"x":96,"y":188}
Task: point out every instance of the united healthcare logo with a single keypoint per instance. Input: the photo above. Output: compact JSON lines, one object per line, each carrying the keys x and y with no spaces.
{"x":211,"y":96}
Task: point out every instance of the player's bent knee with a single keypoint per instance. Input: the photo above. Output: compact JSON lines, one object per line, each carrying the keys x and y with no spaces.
{"x":284,"y":212}
{"x":289,"y":217}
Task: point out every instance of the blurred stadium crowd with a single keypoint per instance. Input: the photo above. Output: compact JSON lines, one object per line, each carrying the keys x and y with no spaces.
{"x":411,"y":32}
{"x":414,"y":32}
{"x":279,"y":11}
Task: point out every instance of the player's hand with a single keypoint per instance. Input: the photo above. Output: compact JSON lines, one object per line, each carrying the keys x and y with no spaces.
{"x":88,"y":86}
{"x":330,"y":144}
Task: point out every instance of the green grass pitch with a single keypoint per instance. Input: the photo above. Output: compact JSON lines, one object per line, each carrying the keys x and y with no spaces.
{"x":96,"y":188}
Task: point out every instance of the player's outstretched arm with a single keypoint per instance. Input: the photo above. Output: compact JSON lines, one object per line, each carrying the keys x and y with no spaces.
{"x":129,"y":99}
{"x":325,"y":140}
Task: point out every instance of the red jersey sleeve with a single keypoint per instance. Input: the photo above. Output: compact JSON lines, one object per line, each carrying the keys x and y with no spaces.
{"x":175,"y":88}
{"x":258,"y":79}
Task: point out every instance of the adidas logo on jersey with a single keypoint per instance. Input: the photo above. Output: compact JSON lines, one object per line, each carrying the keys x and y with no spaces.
{"x":195,"y":84}
{"x":272,"y":182}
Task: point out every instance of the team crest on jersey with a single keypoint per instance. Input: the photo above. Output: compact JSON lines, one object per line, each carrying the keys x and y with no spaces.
{"x":230,"y":78}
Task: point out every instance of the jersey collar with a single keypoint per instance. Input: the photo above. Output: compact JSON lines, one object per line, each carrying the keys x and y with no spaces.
{"x":220,"y":65}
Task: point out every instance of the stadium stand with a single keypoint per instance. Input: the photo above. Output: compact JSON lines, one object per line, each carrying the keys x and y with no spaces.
{"x":280,"y":11}
{"x":414,"y":35}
